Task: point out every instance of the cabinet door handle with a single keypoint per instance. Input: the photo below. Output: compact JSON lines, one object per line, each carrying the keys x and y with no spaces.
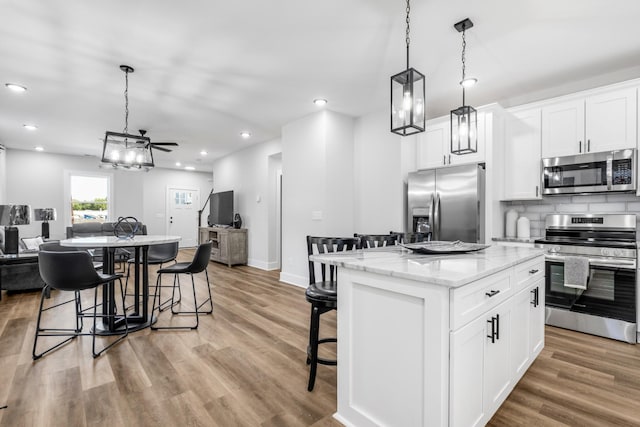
{"x":537,"y":189}
{"x":497,"y":326}
{"x":449,"y":158}
{"x":534,"y":292}
{"x":493,"y":330}
{"x":444,"y":159}
{"x":588,"y":145}
{"x":579,"y":146}
{"x":534,"y":271}
{"x":492,"y":293}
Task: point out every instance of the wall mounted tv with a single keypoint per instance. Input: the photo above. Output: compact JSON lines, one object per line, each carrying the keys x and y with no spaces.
{"x":221,"y":209}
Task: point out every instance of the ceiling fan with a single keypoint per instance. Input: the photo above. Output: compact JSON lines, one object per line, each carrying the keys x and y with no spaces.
{"x":156,"y":145}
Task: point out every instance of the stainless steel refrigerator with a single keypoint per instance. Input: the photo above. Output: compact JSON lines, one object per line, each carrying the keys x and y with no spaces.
{"x":447,"y":202}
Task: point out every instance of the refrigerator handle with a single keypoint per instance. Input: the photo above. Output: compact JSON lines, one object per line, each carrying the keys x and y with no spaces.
{"x":431,"y":213}
{"x":436,"y":218}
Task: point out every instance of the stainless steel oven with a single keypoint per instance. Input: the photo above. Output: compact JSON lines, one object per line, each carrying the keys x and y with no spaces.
{"x":607,"y":307}
{"x":590,"y":173}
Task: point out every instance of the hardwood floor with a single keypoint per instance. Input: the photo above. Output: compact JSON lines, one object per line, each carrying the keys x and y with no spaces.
{"x":245,"y":366}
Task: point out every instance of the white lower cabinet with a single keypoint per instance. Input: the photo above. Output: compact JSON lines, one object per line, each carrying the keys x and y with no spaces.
{"x":479,"y":380}
{"x":492,"y":352}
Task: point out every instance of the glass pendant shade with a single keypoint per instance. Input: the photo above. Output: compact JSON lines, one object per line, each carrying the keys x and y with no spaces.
{"x":464,"y":130}
{"x":125,"y":151}
{"x":408,"y":102}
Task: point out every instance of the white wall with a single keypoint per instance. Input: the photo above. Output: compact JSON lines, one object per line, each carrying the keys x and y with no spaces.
{"x":38,"y":179}
{"x":3,"y":175}
{"x":318,"y":186}
{"x":247,"y":173}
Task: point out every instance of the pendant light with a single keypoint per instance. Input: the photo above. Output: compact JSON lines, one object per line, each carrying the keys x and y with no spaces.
{"x":407,"y":97}
{"x":464,"y":121}
{"x":125,"y":151}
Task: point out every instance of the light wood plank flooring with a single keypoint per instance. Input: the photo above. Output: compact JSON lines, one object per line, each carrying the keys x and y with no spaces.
{"x":245,"y":366}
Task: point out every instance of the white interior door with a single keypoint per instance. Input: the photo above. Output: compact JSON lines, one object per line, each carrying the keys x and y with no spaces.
{"x":182,"y":215}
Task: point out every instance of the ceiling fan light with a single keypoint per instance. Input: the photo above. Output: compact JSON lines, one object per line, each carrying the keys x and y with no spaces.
{"x":469,"y":82}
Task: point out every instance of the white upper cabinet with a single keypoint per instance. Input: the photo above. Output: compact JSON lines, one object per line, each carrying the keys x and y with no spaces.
{"x":563,"y":129}
{"x":611,"y":120}
{"x":599,"y":122}
{"x":431,"y":145}
{"x":522,"y":155}
{"x":434,"y":145}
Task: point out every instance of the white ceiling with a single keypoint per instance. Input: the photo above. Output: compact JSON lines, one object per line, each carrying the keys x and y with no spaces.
{"x":206,"y":70}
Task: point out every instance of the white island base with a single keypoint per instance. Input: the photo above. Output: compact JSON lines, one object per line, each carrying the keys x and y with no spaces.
{"x":435,"y":340}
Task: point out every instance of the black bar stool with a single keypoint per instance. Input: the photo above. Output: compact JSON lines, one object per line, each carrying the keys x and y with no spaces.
{"x":376,"y":240}
{"x":322,"y":295}
{"x":197,"y":265}
{"x":72,"y":271}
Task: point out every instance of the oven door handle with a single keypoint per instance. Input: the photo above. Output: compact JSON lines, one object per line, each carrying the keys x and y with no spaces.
{"x":595,"y":262}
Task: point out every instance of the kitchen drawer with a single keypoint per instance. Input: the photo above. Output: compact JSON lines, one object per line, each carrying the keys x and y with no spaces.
{"x":528,"y":273}
{"x":469,"y":302}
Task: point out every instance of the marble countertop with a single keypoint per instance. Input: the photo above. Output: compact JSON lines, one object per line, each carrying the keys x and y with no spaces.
{"x":515,"y":239}
{"x":116,"y":242}
{"x":453,"y":270}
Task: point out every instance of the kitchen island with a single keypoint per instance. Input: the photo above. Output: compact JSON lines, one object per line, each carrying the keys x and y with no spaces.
{"x":434,"y":340}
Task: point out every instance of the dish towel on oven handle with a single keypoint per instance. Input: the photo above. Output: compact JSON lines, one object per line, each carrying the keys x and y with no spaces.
{"x":576,"y":272}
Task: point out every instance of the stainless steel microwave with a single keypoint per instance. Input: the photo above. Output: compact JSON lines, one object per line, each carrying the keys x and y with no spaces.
{"x":590,"y":173}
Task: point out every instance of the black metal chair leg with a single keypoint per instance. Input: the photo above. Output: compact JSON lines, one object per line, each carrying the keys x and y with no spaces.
{"x":315,"y":330}
{"x":35,"y":355}
{"x":126,"y":324}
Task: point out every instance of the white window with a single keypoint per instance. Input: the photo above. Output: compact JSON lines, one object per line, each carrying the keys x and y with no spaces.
{"x":89,"y":197}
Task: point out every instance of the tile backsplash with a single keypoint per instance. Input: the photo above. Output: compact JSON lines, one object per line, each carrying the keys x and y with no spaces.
{"x":537,"y":210}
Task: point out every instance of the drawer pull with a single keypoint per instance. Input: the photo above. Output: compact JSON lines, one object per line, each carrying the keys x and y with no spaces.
{"x":534,"y":271}
{"x":492,"y":293}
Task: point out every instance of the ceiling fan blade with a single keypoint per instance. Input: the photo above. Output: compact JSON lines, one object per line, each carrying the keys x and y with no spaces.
{"x":166,"y":150}
{"x":174,"y":144}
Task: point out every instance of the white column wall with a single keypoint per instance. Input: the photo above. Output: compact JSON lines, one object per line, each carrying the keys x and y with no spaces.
{"x":318,"y":186}
{"x":381,"y":162}
{"x":246,"y":172}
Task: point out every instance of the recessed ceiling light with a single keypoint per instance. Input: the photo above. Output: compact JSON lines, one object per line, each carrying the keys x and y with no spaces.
{"x":189,"y":168}
{"x":15,"y":87}
{"x":39,"y":148}
{"x":30,"y":127}
{"x":320,"y":102}
{"x":203,"y":153}
{"x":245,"y":134}
{"x":178,"y":164}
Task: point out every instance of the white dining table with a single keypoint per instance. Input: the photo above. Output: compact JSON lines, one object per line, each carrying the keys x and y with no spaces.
{"x":140,"y":318}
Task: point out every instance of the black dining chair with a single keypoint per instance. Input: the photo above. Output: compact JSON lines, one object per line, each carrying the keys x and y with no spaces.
{"x":376,"y":240}
{"x":156,"y":255}
{"x":73,"y":271}
{"x":322,"y":295}
{"x":197,"y":265}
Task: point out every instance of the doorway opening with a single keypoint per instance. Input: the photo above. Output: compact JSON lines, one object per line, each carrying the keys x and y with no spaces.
{"x":182,"y":214}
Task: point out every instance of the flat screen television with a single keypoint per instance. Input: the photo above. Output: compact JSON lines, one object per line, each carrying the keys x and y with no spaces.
{"x":221,"y":209}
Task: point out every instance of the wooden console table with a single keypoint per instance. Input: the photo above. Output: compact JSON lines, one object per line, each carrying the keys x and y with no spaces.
{"x":229,"y":244}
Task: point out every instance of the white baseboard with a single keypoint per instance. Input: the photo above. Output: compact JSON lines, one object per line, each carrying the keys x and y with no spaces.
{"x":294,"y":279}
{"x":262,"y":265}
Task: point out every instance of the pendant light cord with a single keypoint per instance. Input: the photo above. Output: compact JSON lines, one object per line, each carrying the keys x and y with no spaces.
{"x":407,"y":39}
{"x":126,"y":102}
{"x":464,"y":48}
